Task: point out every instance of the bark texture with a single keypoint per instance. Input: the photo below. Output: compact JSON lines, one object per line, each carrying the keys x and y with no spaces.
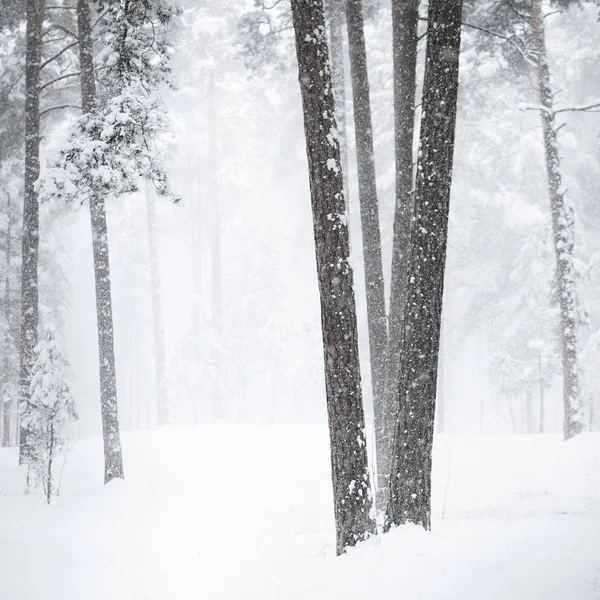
{"x":562,"y":231}
{"x":162,"y":399}
{"x":113,"y":460}
{"x":369,"y":210}
{"x":31,"y":214}
{"x":349,"y":466}
{"x":410,"y":481}
{"x":405,"y":21}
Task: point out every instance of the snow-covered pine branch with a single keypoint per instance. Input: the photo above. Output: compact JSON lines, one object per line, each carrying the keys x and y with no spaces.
{"x":114,"y":145}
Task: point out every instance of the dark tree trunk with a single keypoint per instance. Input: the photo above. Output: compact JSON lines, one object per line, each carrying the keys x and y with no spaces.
{"x":162,"y":400}
{"x":410,"y":481}
{"x":31,"y":213}
{"x":562,"y":231}
{"x":369,"y":212}
{"x":349,"y":465}
{"x":405,"y":21}
{"x":335,"y":9}
{"x":113,"y":460}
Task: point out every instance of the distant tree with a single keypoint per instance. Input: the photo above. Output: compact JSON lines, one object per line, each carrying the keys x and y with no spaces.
{"x":349,"y":465}
{"x":50,"y":410}
{"x":562,"y":231}
{"x":410,"y":478}
{"x":162,"y":397}
{"x":369,"y":209}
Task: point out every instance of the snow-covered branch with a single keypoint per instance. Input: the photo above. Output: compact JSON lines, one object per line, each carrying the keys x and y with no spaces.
{"x":580,"y":108}
{"x":58,"y":107}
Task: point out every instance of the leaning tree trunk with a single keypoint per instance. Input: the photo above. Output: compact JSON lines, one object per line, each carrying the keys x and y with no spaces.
{"x":113,"y":459}
{"x":349,"y":465}
{"x":410,"y":481}
{"x":405,"y":21}
{"x":369,"y":211}
{"x":335,"y":10}
{"x":162,"y":400}
{"x":562,"y":231}
{"x":31,"y":214}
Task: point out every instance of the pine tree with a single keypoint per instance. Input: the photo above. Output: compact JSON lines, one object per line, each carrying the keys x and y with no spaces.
{"x":405,"y":21}
{"x":47,"y":414}
{"x":31,"y":220}
{"x":410,"y":478}
{"x":351,"y":484}
{"x":369,"y":209}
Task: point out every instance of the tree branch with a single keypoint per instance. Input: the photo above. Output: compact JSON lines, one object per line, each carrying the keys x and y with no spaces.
{"x":58,"y":54}
{"x":66,"y":30}
{"x":57,"y":79}
{"x":58,"y":107}
{"x":581,"y":108}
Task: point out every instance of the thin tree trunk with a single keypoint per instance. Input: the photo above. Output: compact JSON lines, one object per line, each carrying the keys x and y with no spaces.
{"x":218,"y":407}
{"x":336,"y":22}
{"x":349,"y":464}
{"x":130,"y":369}
{"x":6,"y":408}
{"x":440,"y":408}
{"x":197,"y":231}
{"x":542,"y":400}
{"x":405,"y":22}
{"x":31,"y":213}
{"x":529,"y":411}
{"x":410,"y":481}
{"x":562,"y":231}
{"x":162,"y":403}
{"x":113,"y":460}
{"x":50,"y":459}
{"x":369,"y":211}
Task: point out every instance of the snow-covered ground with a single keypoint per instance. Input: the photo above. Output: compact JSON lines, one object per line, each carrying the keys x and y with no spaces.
{"x":234,"y":512}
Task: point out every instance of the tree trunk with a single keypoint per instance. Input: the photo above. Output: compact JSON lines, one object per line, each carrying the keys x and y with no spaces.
{"x":336,"y":22}
{"x":562,"y":231}
{"x":405,"y":21}
{"x":8,"y":414}
{"x":31,"y":213}
{"x":218,"y":407}
{"x":440,"y":408}
{"x":529,"y":411}
{"x":410,"y":481}
{"x":349,"y":465}
{"x":369,"y":211}
{"x":542,"y":401}
{"x":113,"y":460}
{"x":50,"y":460}
{"x":162,"y":400}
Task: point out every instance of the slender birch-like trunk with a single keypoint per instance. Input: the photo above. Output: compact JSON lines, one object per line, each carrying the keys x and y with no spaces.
{"x":562,"y":231}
